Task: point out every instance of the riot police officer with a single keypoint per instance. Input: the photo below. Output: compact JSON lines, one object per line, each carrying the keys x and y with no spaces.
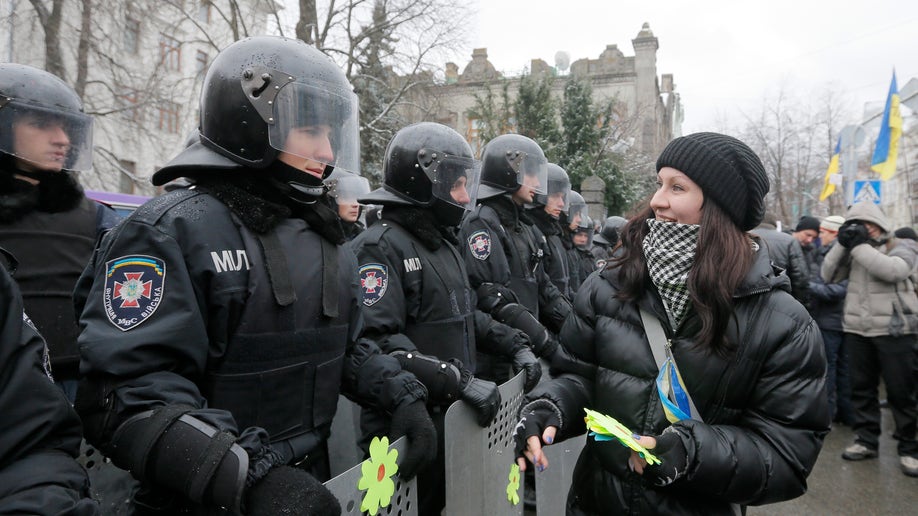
{"x":41,"y":432}
{"x":582,"y":262}
{"x":605,"y":241}
{"x":219,"y":320}
{"x":418,"y":302}
{"x":501,"y":251}
{"x":46,"y":220}
{"x":344,"y":189}
{"x":546,"y":217}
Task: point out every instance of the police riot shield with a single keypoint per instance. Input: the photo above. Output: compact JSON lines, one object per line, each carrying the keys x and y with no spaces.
{"x":479,"y":460}
{"x":403,"y":502}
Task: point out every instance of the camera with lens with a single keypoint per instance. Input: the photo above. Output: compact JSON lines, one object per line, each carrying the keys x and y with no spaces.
{"x":852,"y":234}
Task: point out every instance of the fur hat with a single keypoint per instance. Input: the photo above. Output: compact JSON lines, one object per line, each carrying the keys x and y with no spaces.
{"x":727,"y":170}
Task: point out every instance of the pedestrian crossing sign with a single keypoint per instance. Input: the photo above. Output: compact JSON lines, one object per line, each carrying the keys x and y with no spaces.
{"x":867,"y":191}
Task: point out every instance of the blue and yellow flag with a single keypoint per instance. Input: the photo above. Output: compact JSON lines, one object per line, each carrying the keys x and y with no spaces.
{"x":887,"y":149}
{"x":828,"y":187}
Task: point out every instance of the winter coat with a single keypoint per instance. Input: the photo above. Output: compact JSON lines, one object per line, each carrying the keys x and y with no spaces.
{"x":764,"y":409}
{"x":827,"y":300}
{"x":785,"y":252}
{"x":881,"y":296}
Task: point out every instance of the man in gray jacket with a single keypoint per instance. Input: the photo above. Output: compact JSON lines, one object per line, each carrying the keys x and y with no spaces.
{"x":880,"y":324}
{"x":785,"y":252}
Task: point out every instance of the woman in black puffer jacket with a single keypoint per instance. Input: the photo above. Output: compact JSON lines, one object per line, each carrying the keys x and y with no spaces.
{"x":749,"y":354}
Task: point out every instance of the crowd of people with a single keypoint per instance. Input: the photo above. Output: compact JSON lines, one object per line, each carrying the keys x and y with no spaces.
{"x":204,"y":340}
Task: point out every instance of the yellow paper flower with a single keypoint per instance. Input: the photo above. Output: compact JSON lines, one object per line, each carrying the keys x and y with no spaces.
{"x":607,"y":427}
{"x":376,"y":476}
{"x":513,"y":488}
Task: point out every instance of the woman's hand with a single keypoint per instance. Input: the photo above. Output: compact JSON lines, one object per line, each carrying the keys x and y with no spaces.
{"x":538,"y":426}
{"x":669,"y":449}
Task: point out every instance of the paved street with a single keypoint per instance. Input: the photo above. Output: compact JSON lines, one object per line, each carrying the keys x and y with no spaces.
{"x":837,"y":486}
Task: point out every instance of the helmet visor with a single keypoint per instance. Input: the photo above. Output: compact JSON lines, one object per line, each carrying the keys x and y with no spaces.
{"x":454,"y":179}
{"x":347,"y":188}
{"x":48,"y":139}
{"x":578,"y":214}
{"x":531,"y":171}
{"x":317,"y":123}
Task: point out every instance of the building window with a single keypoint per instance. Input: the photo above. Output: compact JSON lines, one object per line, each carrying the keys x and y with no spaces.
{"x":128,"y":171}
{"x":131,"y":36}
{"x":170,"y":53}
{"x":169,"y":117}
{"x":201,"y":62}
{"x":473,"y":135}
{"x":204,"y":11}
{"x":128,"y":102}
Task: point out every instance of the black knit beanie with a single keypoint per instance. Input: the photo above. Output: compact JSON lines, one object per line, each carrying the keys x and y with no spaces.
{"x":807,"y":222}
{"x":726,"y":169}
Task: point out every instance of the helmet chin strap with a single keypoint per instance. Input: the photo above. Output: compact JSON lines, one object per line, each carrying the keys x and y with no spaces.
{"x":298,"y":186}
{"x":447,"y":214}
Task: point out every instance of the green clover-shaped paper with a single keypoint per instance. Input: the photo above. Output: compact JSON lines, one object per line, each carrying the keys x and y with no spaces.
{"x":605,"y":427}
{"x":513,"y":488}
{"x":376,"y":476}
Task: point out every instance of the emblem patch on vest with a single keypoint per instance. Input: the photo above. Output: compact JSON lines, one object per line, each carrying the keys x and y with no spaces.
{"x":480,"y":244}
{"x":374,"y":279}
{"x":133,"y":289}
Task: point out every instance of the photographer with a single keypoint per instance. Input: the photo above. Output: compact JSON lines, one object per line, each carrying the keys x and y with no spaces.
{"x":880,"y":322}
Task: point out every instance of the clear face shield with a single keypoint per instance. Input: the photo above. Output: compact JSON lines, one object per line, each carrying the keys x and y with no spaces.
{"x":578,"y":214}
{"x":346,"y":188}
{"x":317,"y":123}
{"x":44,"y":138}
{"x":531,"y":171}
{"x":558,"y":198}
{"x":453,"y":179}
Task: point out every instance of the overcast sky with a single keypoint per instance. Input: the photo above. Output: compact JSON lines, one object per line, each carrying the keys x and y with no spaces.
{"x":725,"y":55}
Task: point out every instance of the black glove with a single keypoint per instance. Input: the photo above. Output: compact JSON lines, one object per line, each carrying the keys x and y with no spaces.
{"x":524,"y":360}
{"x":673,"y":459}
{"x":482,"y":395}
{"x":290,"y":491}
{"x":412,"y":419}
{"x":534,"y":419}
{"x":852,"y":234}
{"x":493,"y":296}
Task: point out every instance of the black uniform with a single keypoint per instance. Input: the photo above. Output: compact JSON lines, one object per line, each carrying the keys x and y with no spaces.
{"x":547,"y":230}
{"x":224,"y":303}
{"x":500,"y":247}
{"x":51,"y":229}
{"x":41,"y":432}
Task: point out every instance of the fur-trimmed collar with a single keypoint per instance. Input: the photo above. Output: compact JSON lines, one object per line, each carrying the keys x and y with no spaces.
{"x":57,"y":192}
{"x":420,"y":223}
{"x":510,"y":214}
{"x":261,"y":208}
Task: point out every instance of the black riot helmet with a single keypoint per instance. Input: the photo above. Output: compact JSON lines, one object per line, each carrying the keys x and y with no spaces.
{"x":611,"y":230}
{"x":429,"y":165}
{"x":261,"y":96}
{"x":43,"y":102}
{"x":508,"y":162}
{"x":559,"y":185}
{"x":578,"y":212}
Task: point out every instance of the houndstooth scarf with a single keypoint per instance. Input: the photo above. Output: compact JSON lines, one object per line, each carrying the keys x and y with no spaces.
{"x":669,"y":249}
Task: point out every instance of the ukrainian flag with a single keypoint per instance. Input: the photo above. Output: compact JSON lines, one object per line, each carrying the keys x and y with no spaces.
{"x":887,"y":150}
{"x":828,"y":188}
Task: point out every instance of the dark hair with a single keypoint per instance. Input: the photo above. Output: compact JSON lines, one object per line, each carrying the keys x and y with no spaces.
{"x":723,"y":257}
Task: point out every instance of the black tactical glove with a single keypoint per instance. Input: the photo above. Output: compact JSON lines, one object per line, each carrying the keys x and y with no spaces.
{"x":524,"y":360}
{"x":482,"y":395}
{"x":535,"y":417}
{"x":673,"y":459}
{"x":290,"y":491}
{"x":515,"y":315}
{"x":412,"y":419}
{"x":852,"y":234}
{"x":493,"y":296}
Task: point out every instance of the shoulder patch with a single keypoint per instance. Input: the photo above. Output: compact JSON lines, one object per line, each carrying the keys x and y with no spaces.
{"x":133,"y":289}
{"x":480,"y":244}
{"x":374,"y":279}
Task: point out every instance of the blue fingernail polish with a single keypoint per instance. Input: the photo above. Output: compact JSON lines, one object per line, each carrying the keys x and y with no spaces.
{"x":549,"y":440}
{"x":541,"y":468}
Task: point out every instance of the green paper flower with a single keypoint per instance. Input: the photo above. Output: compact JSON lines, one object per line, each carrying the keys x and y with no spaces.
{"x":376,"y":476}
{"x":513,"y":488}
